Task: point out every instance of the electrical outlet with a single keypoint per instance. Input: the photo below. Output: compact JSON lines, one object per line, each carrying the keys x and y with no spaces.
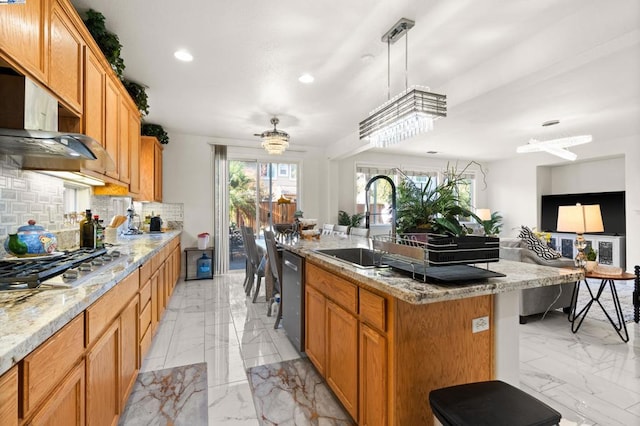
{"x":479,"y":324}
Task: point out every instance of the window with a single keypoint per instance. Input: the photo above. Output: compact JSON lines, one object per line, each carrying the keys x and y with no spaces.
{"x":283,"y":170}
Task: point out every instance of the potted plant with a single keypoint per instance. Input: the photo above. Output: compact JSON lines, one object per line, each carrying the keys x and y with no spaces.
{"x":352,"y":221}
{"x":432,"y":208}
{"x":592,"y":255}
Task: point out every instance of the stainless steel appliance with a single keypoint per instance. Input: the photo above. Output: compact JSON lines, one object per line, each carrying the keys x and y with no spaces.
{"x":293,"y":298}
{"x":29,"y":131}
{"x":65,"y":269}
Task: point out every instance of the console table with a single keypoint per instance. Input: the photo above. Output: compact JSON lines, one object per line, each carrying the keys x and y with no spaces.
{"x":610,"y":248}
{"x":576,"y":317}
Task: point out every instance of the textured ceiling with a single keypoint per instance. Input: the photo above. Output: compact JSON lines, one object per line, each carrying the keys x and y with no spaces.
{"x":506,"y":66}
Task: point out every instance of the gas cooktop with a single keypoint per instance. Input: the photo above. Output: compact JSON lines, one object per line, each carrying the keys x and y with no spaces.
{"x":25,"y":273}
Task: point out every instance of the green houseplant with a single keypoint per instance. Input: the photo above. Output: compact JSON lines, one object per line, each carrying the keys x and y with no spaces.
{"x":139,"y":95}
{"x":156,"y":130}
{"x":431,"y":207}
{"x":353,"y":220}
{"x":107,"y":41}
{"x":492,"y":226}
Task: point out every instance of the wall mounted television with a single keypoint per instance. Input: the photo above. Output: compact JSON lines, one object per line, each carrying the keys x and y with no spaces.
{"x":612,"y":207}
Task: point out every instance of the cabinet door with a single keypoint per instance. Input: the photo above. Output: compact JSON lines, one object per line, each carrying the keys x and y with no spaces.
{"x":154,"y":302}
{"x":66,"y":404}
{"x":93,"y":117}
{"x":315,"y":310}
{"x":111,"y":131}
{"x":373,"y":377}
{"x":65,"y":58}
{"x":23,"y":36}
{"x":134,"y":152}
{"x":123,"y":143}
{"x":342,"y":356}
{"x":9,"y":397}
{"x":157,"y":170}
{"x":128,"y":349}
{"x":103,"y":378}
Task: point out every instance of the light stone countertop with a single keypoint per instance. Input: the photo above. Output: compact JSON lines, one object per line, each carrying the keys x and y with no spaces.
{"x":519,"y":275}
{"x":30,"y":317}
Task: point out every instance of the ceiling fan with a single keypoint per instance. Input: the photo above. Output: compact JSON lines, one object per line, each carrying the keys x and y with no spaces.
{"x":274,"y":141}
{"x":557,"y":147}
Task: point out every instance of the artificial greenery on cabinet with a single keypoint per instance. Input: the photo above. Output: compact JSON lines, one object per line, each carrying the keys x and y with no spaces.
{"x":107,"y":41}
{"x":139,"y":95}
{"x":156,"y":130}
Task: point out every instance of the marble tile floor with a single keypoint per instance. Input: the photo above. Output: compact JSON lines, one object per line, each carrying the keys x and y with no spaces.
{"x":592,"y":377}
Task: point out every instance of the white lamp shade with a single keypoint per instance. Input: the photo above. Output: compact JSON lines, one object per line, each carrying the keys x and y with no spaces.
{"x":580,"y":219}
{"x":483,"y":214}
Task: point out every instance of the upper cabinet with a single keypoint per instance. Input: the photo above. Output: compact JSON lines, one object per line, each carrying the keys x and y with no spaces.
{"x":24,"y":35}
{"x":65,"y":58}
{"x":150,"y":170}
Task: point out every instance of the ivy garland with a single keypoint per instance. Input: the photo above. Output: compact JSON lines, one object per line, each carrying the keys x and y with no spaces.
{"x":156,"y":130}
{"x":106,"y":40}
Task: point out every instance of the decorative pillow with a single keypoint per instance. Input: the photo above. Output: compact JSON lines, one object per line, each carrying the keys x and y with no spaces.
{"x":537,"y":246}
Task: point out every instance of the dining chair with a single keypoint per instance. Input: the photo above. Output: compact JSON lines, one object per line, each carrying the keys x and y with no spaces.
{"x":275,"y":265}
{"x":340,"y":229}
{"x":327,"y":229}
{"x":360,"y":232}
{"x":257,"y":265}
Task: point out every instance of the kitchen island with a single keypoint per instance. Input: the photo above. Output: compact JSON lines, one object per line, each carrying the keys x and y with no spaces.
{"x":70,"y":352}
{"x":383,"y":341}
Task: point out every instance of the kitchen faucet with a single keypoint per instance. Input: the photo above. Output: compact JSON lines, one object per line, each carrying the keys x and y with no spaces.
{"x":393,"y":203}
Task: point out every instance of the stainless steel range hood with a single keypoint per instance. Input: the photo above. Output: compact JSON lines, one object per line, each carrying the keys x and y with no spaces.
{"x":29,"y":131}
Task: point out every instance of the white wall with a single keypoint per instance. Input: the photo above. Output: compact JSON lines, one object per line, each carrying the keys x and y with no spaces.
{"x":516,"y":185}
{"x":188,"y":177}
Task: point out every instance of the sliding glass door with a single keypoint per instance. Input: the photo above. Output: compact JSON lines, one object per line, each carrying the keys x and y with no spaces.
{"x":261,"y":195}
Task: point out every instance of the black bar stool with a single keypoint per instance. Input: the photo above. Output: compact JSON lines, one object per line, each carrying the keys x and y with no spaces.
{"x":492,"y":403}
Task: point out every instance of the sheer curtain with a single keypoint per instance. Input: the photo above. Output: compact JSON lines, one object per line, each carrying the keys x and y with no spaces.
{"x":220,"y":208}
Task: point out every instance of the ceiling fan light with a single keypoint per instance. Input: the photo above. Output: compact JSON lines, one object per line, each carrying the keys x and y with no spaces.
{"x":275,"y":141}
{"x":555,"y":147}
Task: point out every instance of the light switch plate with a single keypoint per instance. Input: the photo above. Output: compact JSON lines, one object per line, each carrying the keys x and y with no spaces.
{"x":479,"y":324}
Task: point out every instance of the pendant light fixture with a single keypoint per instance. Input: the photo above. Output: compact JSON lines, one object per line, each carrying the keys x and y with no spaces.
{"x":274,"y":141}
{"x":409,"y":113}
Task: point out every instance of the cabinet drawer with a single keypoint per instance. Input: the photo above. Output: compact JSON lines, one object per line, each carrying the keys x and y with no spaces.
{"x":102,"y":313}
{"x":9,"y":397}
{"x":145,"y":318}
{"x":145,"y":272}
{"x":145,"y":294}
{"x":333,"y":287}
{"x":373,"y":309}
{"x":44,"y":368}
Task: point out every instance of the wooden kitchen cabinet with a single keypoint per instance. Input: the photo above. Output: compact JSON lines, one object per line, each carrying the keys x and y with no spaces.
{"x":65,"y":57}
{"x":134,"y":152}
{"x":315,"y":307}
{"x":94,"y":95}
{"x":373,"y":377}
{"x":103,"y":378}
{"x":39,"y":376}
{"x":9,"y":397}
{"x":24,"y":36}
{"x":124,"y":155}
{"x":111,"y":130}
{"x":66,"y":405}
{"x":155,"y":315}
{"x":150,"y":169}
{"x":342,"y":356}
{"x":129,"y":341}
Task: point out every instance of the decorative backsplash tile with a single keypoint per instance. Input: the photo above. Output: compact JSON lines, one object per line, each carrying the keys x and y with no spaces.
{"x":26,"y":195}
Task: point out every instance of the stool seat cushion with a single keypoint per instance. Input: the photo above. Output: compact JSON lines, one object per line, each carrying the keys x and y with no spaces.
{"x":491,"y":403}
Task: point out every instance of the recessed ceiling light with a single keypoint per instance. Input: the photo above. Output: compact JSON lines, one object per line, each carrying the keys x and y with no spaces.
{"x":183,"y":55}
{"x":306,"y":78}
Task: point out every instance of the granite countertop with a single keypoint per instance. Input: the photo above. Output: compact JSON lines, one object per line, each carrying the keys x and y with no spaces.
{"x":29,"y":317}
{"x":519,"y":275}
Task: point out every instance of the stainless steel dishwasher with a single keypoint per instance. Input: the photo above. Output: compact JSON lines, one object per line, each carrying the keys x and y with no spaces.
{"x":293,"y":298}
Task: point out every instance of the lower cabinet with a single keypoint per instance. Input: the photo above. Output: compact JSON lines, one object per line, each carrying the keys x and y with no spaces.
{"x":84,"y":373}
{"x":9,"y":397}
{"x":373,"y":377}
{"x":103,"y":378}
{"x":66,"y":404}
{"x":315,"y":307}
{"x":342,"y":356}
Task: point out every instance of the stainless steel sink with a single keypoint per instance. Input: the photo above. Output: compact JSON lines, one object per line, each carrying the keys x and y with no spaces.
{"x":358,"y":257}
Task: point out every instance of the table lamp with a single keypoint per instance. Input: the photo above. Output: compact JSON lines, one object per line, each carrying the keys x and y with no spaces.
{"x":580,"y":219}
{"x":483,"y":214}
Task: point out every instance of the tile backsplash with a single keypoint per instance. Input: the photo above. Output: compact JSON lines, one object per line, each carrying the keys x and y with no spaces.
{"x":26,"y":195}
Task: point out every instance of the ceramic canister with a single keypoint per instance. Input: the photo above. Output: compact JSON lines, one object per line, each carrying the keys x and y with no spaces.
{"x":37,"y":239}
